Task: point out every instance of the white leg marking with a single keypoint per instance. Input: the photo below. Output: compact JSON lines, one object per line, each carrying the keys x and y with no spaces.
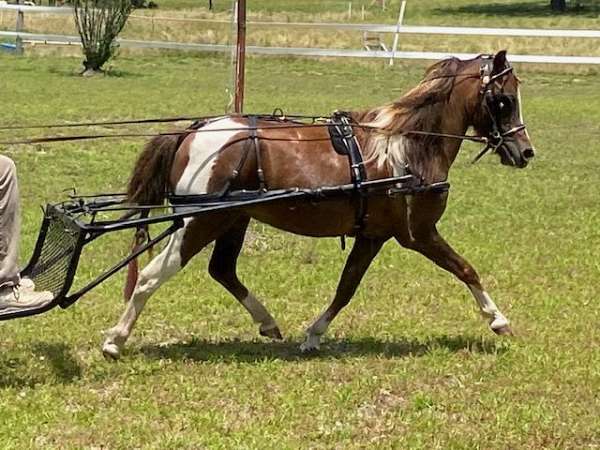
{"x":259,"y":313}
{"x":314,"y":333}
{"x":159,"y":270}
{"x":488,"y":308}
{"x":204,"y":150}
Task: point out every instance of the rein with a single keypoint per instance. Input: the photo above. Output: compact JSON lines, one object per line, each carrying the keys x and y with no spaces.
{"x":84,"y":137}
{"x":277,"y":114}
{"x":93,"y":124}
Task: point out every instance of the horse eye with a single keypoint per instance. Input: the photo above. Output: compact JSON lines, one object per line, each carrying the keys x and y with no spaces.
{"x":503,"y":105}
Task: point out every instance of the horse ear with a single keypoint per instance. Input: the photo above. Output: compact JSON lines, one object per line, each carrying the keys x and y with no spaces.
{"x":499,"y":61}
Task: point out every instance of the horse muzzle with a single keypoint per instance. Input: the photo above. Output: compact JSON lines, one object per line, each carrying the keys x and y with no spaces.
{"x":512,"y":155}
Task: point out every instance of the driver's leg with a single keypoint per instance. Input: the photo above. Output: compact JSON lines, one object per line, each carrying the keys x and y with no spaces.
{"x":11,"y":296}
{"x":9,"y":223}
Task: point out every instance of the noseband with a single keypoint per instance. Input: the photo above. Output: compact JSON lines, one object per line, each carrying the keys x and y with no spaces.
{"x":496,"y":136}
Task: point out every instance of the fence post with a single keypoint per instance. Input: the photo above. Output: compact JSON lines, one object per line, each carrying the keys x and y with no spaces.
{"x":397,"y":34}
{"x":18,"y":29}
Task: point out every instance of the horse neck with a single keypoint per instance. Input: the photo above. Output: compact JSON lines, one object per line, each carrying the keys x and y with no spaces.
{"x":429,"y":156}
{"x":456,"y":120}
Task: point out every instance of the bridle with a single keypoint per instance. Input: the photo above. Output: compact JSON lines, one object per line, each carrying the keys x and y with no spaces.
{"x":496,"y":136}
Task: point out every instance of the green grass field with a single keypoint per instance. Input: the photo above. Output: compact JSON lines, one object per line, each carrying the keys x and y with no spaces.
{"x":408,"y":364}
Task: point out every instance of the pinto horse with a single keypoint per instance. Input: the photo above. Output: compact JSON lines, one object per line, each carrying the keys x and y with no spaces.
{"x":421,"y":131}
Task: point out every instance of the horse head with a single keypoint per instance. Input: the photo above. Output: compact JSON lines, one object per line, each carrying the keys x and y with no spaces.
{"x":498,"y":115}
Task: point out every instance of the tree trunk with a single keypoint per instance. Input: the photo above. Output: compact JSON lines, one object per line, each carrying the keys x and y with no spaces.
{"x":91,"y":68}
{"x":558,"y":5}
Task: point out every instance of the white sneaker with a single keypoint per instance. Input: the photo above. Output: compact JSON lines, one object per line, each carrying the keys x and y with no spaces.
{"x":13,"y":298}
{"x":26,"y":285}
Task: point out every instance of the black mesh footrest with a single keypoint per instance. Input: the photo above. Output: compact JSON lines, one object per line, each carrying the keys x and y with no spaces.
{"x":54,"y":262}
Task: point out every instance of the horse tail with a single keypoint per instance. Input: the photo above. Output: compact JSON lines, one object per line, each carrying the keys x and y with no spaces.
{"x":148,"y":185}
{"x":149,"y":181}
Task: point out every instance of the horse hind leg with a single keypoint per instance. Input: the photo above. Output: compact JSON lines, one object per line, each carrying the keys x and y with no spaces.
{"x":183,"y":245}
{"x":158,"y":271}
{"x":222,"y":268}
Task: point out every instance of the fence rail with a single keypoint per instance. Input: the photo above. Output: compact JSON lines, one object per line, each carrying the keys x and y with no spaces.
{"x":292,"y":51}
{"x":38,"y":9}
{"x":295,"y":51}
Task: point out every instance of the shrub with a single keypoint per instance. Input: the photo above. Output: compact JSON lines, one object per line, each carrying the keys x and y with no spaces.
{"x":99,"y":22}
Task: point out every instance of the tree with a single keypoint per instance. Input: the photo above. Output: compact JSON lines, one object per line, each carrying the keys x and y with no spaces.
{"x":99,"y":22}
{"x":558,"y":5}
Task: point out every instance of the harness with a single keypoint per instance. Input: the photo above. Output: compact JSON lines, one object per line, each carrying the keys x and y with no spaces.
{"x":254,"y":139}
{"x":344,"y":142}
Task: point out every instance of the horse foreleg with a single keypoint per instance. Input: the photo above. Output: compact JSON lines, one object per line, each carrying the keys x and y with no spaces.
{"x":222,"y":268}
{"x":158,"y":271}
{"x":430,"y":244}
{"x":363,"y":252}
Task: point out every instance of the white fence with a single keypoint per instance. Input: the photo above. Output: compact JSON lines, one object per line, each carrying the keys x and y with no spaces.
{"x":19,"y":35}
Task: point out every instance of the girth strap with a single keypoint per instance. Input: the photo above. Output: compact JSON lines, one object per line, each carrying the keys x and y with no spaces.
{"x":254,"y":138}
{"x":345,"y":142}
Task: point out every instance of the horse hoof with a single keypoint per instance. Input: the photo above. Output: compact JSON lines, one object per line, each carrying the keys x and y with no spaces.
{"x":310,"y":345}
{"x":504,"y":330}
{"x":308,"y":349}
{"x":111,"y":352}
{"x":272,"y":333}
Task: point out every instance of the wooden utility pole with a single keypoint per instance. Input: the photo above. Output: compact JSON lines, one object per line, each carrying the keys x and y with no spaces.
{"x":240,"y":59}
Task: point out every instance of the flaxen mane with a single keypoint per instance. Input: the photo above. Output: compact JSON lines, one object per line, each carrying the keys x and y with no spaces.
{"x":419,"y":109}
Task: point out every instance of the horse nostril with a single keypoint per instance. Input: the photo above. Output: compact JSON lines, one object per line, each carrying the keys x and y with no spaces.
{"x":528,"y":153}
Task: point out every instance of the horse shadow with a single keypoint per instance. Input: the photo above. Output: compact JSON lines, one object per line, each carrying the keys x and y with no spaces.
{"x":520,"y":9}
{"x":20,"y":372}
{"x":202,"y":350}
{"x":52,"y":363}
